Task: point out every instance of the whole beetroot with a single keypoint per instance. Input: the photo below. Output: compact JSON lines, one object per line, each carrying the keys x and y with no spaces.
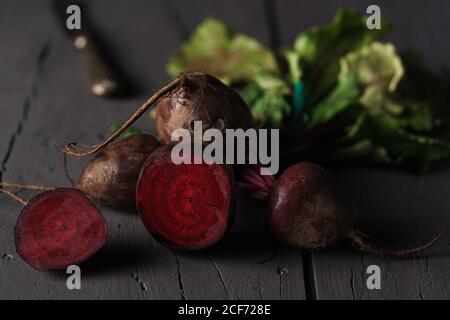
{"x":200,"y":97}
{"x":111,"y":176}
{"x":188,"y":97}
{"x":309,"y":210}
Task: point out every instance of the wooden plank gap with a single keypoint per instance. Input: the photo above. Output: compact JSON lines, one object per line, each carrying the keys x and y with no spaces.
{"x":36,"y":77}
{"x":180,"y":279}
{"x":309,"y":277}
{"x":270,"y":10}
{"x":176,"y":18}
{"x":222,"y":279}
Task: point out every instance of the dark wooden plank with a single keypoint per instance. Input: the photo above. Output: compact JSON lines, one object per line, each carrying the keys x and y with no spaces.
{"x":249,"y":17}
{"x":132,"y":265}
{"x":400,"y":208}
{"x":234,"y":269}
{"x":21,"y":54}
{"x":403,"y":210}
{"x":141,"y":38}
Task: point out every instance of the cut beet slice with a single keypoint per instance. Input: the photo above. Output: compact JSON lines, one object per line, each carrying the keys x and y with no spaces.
{"x":186,"y":206}
{"x":59,"y":228}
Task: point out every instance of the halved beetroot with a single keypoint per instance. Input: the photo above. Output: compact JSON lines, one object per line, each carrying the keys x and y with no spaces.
{"x":186,"y":206}
{"x":59,"y":228}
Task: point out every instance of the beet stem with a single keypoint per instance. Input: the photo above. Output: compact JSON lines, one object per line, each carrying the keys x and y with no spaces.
{"x":252,"y":180}
{"x":249,"y":178}
{"x":249,"y":186}
{"x":14,"y":196}
{"x":363,"y":243}
{"x":269,"y":179}
{"x":71,"y":148}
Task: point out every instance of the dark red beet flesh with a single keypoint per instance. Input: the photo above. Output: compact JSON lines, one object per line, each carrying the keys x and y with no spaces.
{"x":187,"y":206}
{"x":59,"y":228}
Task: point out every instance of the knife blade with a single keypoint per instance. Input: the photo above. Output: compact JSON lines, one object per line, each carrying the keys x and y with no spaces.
{"x":103,"y":79}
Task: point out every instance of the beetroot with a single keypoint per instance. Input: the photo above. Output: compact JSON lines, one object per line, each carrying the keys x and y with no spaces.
{"x":200,"y":97}
{"x":189,"y":97}
{"x":59,"y":228}
{"x":186,"y":206}
{"x":111,"y":177}
{"x":308,"y":210}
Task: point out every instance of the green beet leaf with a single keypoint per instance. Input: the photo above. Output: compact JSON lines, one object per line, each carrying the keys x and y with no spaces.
{"x":267,"y":98}
{"x":379,"y":137}
{"x":344,"y":96}
{"x":127,"y":133}
{"x":378,"y":70}
{"x":318,"y":51}
{"x":230,"y":56}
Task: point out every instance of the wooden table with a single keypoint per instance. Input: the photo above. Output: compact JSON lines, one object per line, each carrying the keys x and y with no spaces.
{"x":44,"y":100}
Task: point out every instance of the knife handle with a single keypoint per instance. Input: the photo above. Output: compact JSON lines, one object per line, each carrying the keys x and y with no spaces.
{"x":103,"y":80}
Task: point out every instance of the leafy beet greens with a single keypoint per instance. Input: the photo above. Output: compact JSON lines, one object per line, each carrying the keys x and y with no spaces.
{"x":342,"y":95}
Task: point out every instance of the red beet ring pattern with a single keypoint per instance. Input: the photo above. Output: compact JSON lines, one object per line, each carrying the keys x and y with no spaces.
{"x":186,"y":206}
{"x":59,"y":228}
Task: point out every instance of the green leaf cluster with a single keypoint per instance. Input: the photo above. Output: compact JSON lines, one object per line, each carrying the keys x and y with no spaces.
{"x":390,"y":108}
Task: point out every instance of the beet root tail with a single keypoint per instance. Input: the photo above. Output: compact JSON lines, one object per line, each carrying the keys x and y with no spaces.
{"x":364,"y":243}
{"x":14,"y":196}
{"x":72,"y":149}
{"x":21,"y":186}
{"x":25,"y":186}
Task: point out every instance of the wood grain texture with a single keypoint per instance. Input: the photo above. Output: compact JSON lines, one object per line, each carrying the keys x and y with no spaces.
{"x":21,"y":56}
{"x":398,"y":208}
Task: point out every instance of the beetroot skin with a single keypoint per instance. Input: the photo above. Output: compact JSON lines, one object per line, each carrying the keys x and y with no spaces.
{"x":59,"y":228}
{"x":186,"y":206}
{"x":308,"y":209}
{"x":111,"y":177}
{"x":200,"y":96}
